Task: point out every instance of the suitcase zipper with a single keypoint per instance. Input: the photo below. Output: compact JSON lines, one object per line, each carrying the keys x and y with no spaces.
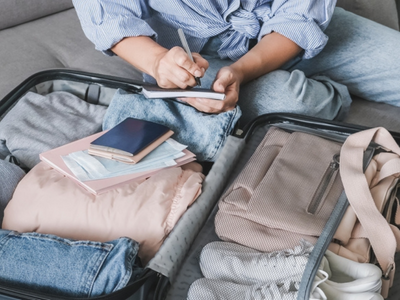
{"x":326,"y":181}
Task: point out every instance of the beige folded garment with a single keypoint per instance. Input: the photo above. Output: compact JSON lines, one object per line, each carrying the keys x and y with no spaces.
{"x":146,"y":210}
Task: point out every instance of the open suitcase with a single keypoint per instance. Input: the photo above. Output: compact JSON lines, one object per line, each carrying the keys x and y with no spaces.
{"x":99,"y":89}
{"x":169,"y":274}
{"x":178,"y":284}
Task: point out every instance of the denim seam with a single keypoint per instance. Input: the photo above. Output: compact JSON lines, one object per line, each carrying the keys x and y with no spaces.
{"x":95,"y":267}
{"x":34,"y":235}
{"x":3,"y":241}
{"x":130,"y":260}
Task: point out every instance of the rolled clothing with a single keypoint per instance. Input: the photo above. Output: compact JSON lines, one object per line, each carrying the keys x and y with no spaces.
{"x":10,"y":176}
{"x":39,"y":123}
{"x":47,"y":202}
{"x":58,"y":266}
{"x":204,"y":134}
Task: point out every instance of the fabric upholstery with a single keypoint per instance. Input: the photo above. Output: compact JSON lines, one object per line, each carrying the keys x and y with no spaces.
{"x":13,"y":13}
{"x":373,"y":114}
{"x":46,"y":122}
{"x":56,"y":41}
{"x":381,"y":11}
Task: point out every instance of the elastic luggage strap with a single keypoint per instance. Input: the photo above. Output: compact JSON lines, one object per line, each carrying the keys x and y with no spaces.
{"x":321,"y":246}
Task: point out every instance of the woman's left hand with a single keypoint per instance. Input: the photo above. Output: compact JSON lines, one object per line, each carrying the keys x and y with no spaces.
{"x":228,"y":82}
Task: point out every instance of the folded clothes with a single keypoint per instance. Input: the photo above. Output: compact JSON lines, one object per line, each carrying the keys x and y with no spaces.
{"x":10,"y":175}
{"x":205,"y":134}
{"x":46,"y":122}
{"x":51,"y":264}
{"x":145,"y":210}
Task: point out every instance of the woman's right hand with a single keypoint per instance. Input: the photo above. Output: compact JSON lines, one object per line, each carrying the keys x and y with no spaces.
{"x":173,"y":68}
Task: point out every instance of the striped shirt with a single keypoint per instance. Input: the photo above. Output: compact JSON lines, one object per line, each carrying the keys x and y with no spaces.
{"x":236,"y":22}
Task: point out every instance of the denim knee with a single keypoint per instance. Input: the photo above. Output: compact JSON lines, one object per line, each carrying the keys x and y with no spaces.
{"x":292,"y":92}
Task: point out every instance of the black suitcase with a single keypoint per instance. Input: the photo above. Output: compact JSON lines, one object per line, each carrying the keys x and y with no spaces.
{"x":176,"y":286}
{"x":170,"y":272}
{"x":99,"y":89}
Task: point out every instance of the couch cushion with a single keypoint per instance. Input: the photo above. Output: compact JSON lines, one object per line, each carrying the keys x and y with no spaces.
{"x":13,"y":13}
{"x":373,"y":114}
{"x":55,"y":41}
{"x":381,"y":11}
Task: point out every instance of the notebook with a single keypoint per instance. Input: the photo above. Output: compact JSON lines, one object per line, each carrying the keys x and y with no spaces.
{"x":54,"y":159}
{"x":154,"y":91}
{"x":130,"y":140}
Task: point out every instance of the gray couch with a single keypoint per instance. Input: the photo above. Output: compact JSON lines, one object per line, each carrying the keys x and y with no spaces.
{"x":42,"y":34}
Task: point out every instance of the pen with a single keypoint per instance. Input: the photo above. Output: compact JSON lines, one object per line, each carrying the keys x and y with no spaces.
{"x":186,"y":47}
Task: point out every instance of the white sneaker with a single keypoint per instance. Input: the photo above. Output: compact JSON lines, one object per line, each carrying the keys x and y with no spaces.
{"x":239,"y":264}
{"x":211,"y":289}
{"x":350,"y":276}
{"x":322,"y":290}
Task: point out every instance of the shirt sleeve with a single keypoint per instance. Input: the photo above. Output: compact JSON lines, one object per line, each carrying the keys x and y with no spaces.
{"x":302,"y":21}
{"x":107,"y":22}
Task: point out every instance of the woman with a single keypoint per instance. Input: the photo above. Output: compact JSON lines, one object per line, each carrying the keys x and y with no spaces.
{"x":265,"y":55}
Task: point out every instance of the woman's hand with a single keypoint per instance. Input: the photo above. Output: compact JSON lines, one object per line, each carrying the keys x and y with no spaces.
{"x":227,"y":81}
{"x":173,"y":68}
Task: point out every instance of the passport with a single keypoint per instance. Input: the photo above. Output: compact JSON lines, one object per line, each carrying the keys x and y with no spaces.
{"x":130,"y":140}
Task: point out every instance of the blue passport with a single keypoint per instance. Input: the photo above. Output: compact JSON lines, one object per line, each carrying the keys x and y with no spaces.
{"x":130,"y":138}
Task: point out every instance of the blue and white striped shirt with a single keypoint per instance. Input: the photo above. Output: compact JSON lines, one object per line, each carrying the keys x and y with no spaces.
{"x":106,"y":22}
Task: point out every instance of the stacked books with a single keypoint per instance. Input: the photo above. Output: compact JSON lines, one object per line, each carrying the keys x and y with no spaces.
{"x":132,"y":150}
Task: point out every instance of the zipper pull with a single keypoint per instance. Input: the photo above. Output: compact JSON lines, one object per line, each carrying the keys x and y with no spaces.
{"x":335,"y":162}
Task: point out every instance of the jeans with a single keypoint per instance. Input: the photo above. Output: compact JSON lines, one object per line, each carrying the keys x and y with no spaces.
{"x":60,"y":266}
{"x":362,"y":58}
{"x":204,"y":134}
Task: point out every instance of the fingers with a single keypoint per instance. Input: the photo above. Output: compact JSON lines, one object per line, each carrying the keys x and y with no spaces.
{"x":226,"y":82}
{"x":176,"y":69}
{"x":223,"y":79}
{"x":210,"y":105}
{"x":201,"y":62}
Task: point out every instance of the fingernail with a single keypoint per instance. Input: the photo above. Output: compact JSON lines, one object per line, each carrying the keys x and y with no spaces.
{"x":197,"y":73}
{"x":204,"y":70}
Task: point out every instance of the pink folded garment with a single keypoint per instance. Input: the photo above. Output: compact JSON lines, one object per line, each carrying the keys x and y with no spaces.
{"x":45,"y":201}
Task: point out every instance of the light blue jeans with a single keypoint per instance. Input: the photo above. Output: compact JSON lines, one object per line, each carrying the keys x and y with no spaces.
{"x":362,"y":57}
{"x":204,"y":134}
{"x":60,"y":266}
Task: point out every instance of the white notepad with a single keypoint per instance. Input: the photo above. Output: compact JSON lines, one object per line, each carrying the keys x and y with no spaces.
{"x":154,"y":91}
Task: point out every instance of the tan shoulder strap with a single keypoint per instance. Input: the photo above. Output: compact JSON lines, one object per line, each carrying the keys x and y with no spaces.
{"x":355,"y":184}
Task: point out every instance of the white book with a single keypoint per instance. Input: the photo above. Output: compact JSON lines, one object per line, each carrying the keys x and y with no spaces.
{"x":154,"y":91}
